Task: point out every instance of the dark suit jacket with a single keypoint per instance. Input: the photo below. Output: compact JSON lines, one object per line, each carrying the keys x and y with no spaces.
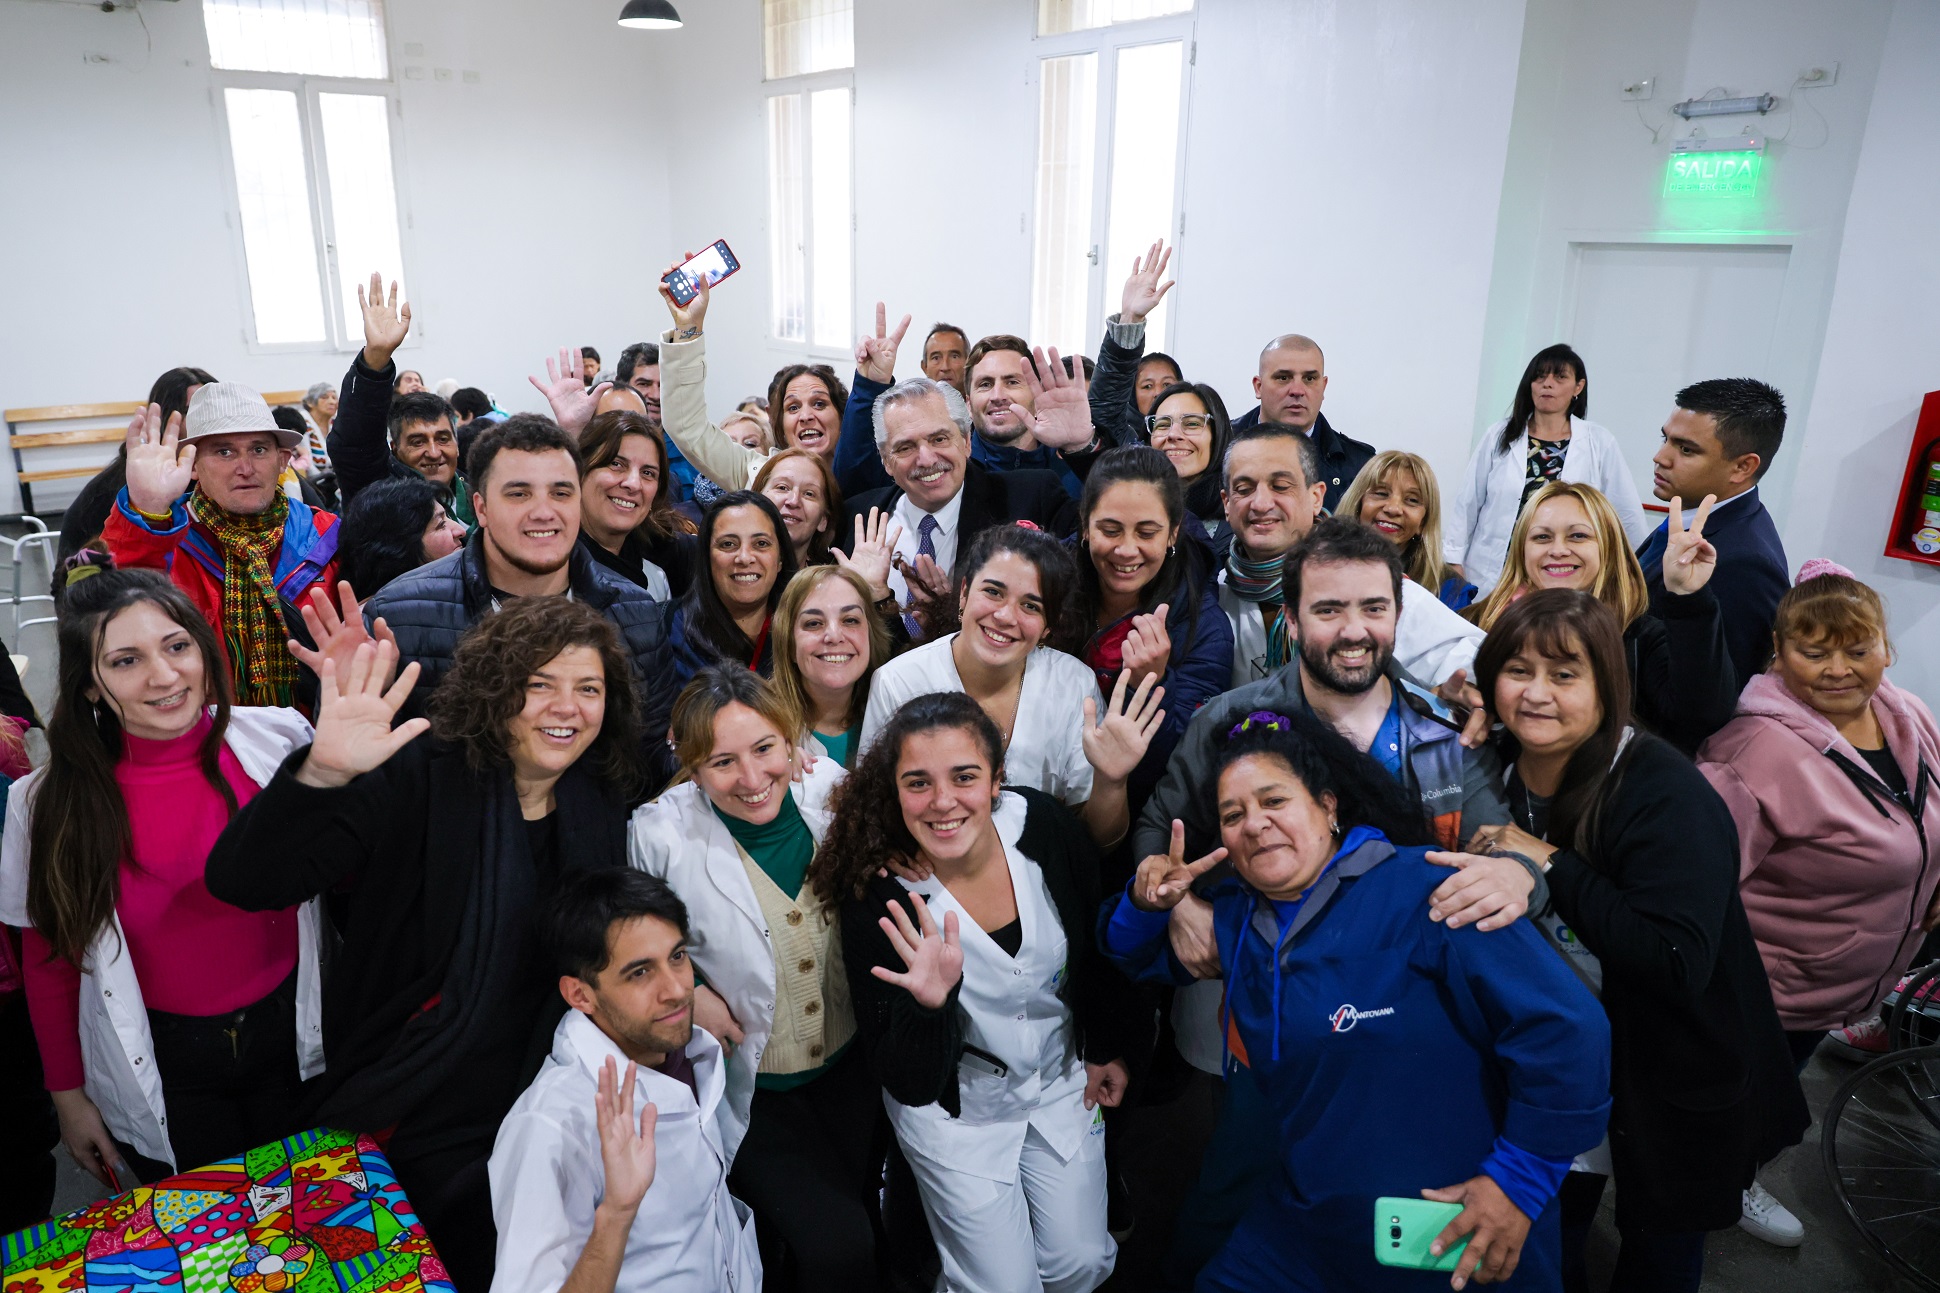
{"x":993,"y":498}
{"x":1750,"y":578}
{"x":1341,"y":457}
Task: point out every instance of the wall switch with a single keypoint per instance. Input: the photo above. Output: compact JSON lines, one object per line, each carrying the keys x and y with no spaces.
{"x":471,"y":77}
{"x":1642,"y":88}
{"x":442,"y":74}
{"x":1811,"y":78}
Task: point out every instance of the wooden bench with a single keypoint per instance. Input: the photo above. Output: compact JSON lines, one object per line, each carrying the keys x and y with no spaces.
{"x":22,"y":441}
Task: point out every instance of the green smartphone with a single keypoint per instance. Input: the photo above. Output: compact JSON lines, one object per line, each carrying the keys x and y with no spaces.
{"x":1403,"y":1229}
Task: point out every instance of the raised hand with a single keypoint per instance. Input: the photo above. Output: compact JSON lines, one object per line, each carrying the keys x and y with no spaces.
{"x":688,"y":318}
{"x":565,"y":390}
{"x":1689,"y":558}
{"x":935,"y":960}
{"x":1143,"y":290}
{"x":875,"y":357}
{"x":626,"y":1144}
{"x":385,"y":322}
{"x":160,"y":467}
{"x":337,"y":636}
{"x":1115,"y":741}
{"x":1165,"y":878}
{"x":869,"y":555}
{"x":1148,"y":646}
{"x":1105,"y":1084}
{"x":1060,"y":402}
{"x":354,"y":732}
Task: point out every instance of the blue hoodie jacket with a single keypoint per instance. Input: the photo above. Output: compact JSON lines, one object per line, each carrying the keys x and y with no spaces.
{"x":1396,"y":1054}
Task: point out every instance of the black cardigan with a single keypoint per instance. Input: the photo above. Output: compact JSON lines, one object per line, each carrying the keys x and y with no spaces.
{"x":913,"y":1051}
{"x":1701,"y":1079}
{"x":1685,"y":686}
{"x":397,"y":848}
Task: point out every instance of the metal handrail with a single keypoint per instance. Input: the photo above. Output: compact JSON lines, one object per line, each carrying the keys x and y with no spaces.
{"x":37,"y":535}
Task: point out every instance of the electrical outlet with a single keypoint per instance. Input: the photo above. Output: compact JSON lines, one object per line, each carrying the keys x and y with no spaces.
{"x":1812,"y":78}
{"x":442,"y":74}
{"x":1641,"y":88}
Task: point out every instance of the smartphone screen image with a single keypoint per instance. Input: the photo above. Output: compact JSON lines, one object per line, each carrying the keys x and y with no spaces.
{"x":1403,"y":1229}
{"x":710,"y":266}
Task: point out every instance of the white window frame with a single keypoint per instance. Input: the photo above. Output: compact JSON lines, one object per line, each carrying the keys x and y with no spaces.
{"x":1106,"y":41}
{"x":801,"y":87}
{"x":342,"y":334}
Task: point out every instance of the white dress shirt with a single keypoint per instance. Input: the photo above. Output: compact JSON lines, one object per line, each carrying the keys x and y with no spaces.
{"x":1046,"y":749}
{"x":943,"y":539}
{"x":689,"y":1236}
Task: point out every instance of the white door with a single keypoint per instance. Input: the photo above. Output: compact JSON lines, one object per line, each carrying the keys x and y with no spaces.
{"x":1651,"y":318}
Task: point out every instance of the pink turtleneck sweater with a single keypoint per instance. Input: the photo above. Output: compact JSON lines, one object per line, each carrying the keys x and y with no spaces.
{"x":192,"y":954}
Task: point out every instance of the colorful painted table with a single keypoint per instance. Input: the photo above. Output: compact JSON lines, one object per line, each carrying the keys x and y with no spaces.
{"x":319,"y":1212}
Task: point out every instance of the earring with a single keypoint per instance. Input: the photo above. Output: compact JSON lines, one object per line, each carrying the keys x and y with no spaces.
{"x":1333,"y":827}
{"x":1172,"y":551}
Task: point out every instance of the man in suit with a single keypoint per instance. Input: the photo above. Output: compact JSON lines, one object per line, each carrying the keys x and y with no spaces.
{"x":1291,"y":384}
{"x":939,"y":497}
{"x":1719,"y":441}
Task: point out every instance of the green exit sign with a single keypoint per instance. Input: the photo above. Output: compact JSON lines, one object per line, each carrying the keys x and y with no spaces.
{"x":1713,"y":174}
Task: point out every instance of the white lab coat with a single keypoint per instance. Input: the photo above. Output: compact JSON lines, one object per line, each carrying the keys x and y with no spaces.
{"x":1430,"y":641}
{"x":1477,"y":524}
{"x":1046,"y":750}
{"x":117,"y":1051}
{"x":679,"y":838}
{"x":1014,"y":1186}
{"x":689,"y":1236}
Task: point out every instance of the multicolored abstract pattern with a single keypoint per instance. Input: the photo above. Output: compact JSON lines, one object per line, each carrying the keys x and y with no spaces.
{"x":316,"y":1213}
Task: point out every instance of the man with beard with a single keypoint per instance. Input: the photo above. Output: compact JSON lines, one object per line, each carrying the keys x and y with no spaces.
{"x":590,"y":1192}
{"x":1344,"y":588}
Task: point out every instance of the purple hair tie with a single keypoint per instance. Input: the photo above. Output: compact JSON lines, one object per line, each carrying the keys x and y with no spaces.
{"x":1265,"y":719}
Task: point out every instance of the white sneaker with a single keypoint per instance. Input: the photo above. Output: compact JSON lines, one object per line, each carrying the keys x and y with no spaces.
{"x":1769,"y":1219}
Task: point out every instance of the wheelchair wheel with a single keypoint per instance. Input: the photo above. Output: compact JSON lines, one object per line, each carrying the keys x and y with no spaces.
{"x":1881,"y":1144}
{"x":1913,"y":1013}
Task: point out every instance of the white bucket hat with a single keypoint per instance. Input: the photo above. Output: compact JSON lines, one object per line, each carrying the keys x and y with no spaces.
{"x":230,"y":408}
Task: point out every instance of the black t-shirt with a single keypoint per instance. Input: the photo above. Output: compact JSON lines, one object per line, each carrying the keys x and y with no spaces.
{"x":1010,"y":937}
{"x":1887,"y":769}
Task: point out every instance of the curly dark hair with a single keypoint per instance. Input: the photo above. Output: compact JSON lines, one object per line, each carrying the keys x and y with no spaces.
{"x":1323,"y":761}
{"x":475,"y":704}
{"x":867,"y":827}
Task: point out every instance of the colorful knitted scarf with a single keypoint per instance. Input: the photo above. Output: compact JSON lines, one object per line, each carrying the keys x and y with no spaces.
{"x":252,"y":615}
{"x":1259,"y":582}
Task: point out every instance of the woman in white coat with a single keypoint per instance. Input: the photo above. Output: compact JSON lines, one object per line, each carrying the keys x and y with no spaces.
{"x":1544,"y":438}
{"x":734,"y":839}
{"x":174,"y":1029}
{"x":994,"y":1027}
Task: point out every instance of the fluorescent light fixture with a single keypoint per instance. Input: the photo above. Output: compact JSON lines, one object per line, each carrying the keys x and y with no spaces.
{"x":650,"y":15}
{"x":1759,"y":103}
{"x":1749,"y":142}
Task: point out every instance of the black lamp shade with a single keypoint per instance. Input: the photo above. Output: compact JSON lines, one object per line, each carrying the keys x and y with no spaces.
{"x":650,"y":15}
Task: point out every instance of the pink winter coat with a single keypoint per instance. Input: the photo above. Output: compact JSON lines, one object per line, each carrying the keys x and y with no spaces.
{"x":1835,"y":875}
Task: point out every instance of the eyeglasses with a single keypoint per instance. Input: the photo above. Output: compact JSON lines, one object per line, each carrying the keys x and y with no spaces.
{"x":1168,"y":424}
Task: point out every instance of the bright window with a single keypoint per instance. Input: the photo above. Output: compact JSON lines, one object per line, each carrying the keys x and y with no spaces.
{"x":802,"y":37}
{"x":316,"y":184}
{"x":1057,"y":16}
{"x":1067,"y":129}
{"x":1145,"y":159}
{"x":310,"y":37}
{"x":810,"y":47}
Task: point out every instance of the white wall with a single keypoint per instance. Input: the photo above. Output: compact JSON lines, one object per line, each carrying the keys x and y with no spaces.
{"x":533,"y":198}
{"x":1879,"y":354}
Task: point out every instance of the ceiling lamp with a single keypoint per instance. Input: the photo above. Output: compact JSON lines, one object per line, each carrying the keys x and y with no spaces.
{"x":650,"y":15}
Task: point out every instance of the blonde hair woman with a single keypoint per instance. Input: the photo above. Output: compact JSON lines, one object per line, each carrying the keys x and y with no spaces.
{"x":829,"y":642}
{"x":734,"y":840}
{"x":1681,"y":675}
{"x":1396,"y":493}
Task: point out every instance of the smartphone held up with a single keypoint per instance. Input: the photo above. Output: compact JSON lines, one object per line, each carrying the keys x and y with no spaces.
{"x":710,"y":267}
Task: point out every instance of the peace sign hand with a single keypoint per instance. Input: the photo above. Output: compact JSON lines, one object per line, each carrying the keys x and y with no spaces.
{"x":1689,"y":558}
{"x":1117,"y":740}
{"x":935,"y":962}
{"x":354,"y":732}
{"x":1164,"y":879}
{"x":1143,"y":290}
{"x":160,"y":467}
{"x":565,"y":390}
{"x":875,"y":357}
{"x":1060,"y":403}
{"x":869,"y":554}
